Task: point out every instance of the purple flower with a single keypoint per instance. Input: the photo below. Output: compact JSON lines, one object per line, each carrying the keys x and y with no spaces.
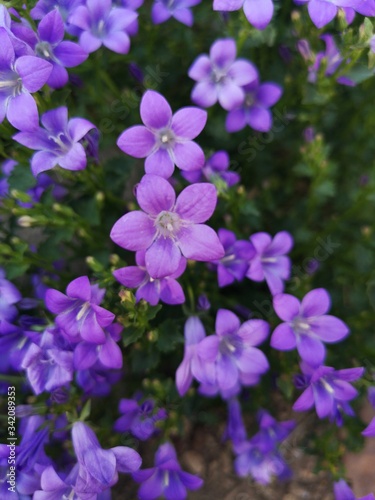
{"x":48,"y":364}
{"x":166,"y":139}
{"x":271,"y":432}
{"x":233,"y":353}
{"x":191,"y":365}
{"x":21,"y":48}
{"x":166,"y":478}
{"x":49,"y":45}
{"x":102,"y":24}
{"x":53,"y":486}
{"x":97,"y":380}
{"x":139,"y":419}
{"x":9,"y":295}
{"x":329,"y":390}
{"x":270,"y":262}
{"x":306,"y":325}
{"x":332,"y":60}
{"x":370,"y":429}
{"x":254,"y":109}
{"x":220,"y":76}
{"x":168,"y":229}
{"x":343,"y":492}
{"x":235,"y":429}
{"x":58,"y":143}
{"x":98,"y":468}
{"x":215,"y":170}
{"x":262,"y":467}
{"x":108,"y":354}
{"x":258,"y":13}
{"x":18,"y":79}
{"x":133,"y":5}
{"x":65,"y":8}
{"x":323,"y":11}
{"x":162,"y":10}
{"x":78,"y":312}
{"x":152,"y":290}
{"x":235,"y":263}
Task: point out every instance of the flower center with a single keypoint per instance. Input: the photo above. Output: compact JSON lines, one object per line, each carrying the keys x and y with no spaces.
{"x":327,"y":386}
{"x":167,"y":224}
{"x":83,"y":310}
{"x":300,"y":325}
{"x":269,"y":260}
{"x":62,"y":141}
{"x":11,"y":83}
{"x":229,"y":345}
{"x":44,"y":50}
{"x":166,"y":138}
{"x":249,"y":100}
{"x":218,"y":76}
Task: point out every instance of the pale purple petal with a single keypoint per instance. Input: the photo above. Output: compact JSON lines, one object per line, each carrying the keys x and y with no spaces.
{"x":286,"y":306}
{"x":258,"y":12}
{"x":252,"y":360}
{"x":136,"y":141}
{"x":85,"y":355}
{"x":134,"y":231}
{"x":172,"y":292}
{"x":150,"y":292}
{"x":315,"y":303}
{"x":311,"y":350}
{"x":70,"y":54}
{"x":208,"y":348}
{"x":188,"y":156}
{"x":230,"y":95}
{"x":42,"y":161}
{"x":34,"y":72}
{"x":131,"y":276}
{"x":155,"y":194}
{"x":162,"y":258}
{"x":187,"y":123}
{"x":22,"y":112}
{"x":79,"y":288}
{"x":329,"y":328}
{"x":268,"y":94}
{"x":159,"y":163}
{"x":75,"y":159}
{"x":78,"y":128}
{"x":159,"y":13}
{"x":197,"y":202}
{"x":155,"y":110}
{"x":321,"y":12}
{"x":236,"y":120}
{"x":58,"y":77}
{"x":323,"y":401}
{"x":110,"y":354}
{"x":243,"y":72}
{"x":227,"y":373}
{"x":118,"y":41}
{"x":283,"y":338}
{"x":223,"y":52}
{"x":51,"y":27}
{"x":127,"y":459}
{"x":259,"y":119}
{"x":227,"y":5}
{"x":89,"y":42}
{"x":204,"y":94}
{"x":201,"y":68}
{"x":184,"y":16}
{"x":254,"y":331}
{"x":200,"y":242}
{"x":226,"y":322}
{"x":305,"y":401}
{"x":184,"y":378}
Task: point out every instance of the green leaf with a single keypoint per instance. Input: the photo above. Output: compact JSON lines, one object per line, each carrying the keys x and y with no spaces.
{"x":169,"y":336}
{"x":21,"y":178}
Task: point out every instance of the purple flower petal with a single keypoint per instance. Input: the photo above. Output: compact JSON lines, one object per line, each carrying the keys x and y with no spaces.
{"x":227,"y":372}
{"x":200,"y":242}
{"x":171,"y":292}
{"x":51,"y":27}
{"x":286,"y":306}
{"x":184,"y":377}
{"x":321,"y":12}
{"x":208,"y":348}
{"x":201,"y":68}
{"x":260,"y":119}
{"x":42,"y":161}
{"x":226,"y":322}
{"x":305,"y":401}
{"x":80,"y":288}
{"x":78,"y":128}
{"x":311,"y":350}
{"x":191,"y":482}
{"x":268,"y":94}
{"x":34,"y":72}
{"x":243,"y":72}
{"x":127,"y":459}
{"x":101,"y":464}
{"x":70,"y":54}
{"x":197,"y":202}
{"x":283,"y":338}
{"x":150,"y":292}
{"x":110,"y":354}
{"x":315,"y":303}
{"x":162,"y":258}
{"x":89,"y":43}
{"x":323,"y":401}
{"x":174,"y":489}
{"x":7,"y":51}
{"x":204,"y":94}
{"x":184,"y":16}
{"x":155,"y":194}
{"x":159,"y":13}
{"x":155,"y":110}
{"x":236,"y":120}
{"x":85,"y":355}
{"x":188,"y":156}
{"x":75,"y":159}
{"x":329,"y":328}
{"x":58,"y":77}
{"x":131,"y":276}
{"x":258,"y":13}
{"x":136,"y":141}
{"x":56,"y":301}
{"x":254,"y":331}
{"x":91,"y":331}
{"x":223,"y":52}
{"x":23,"y":112}
{"x":118,"y":41}
{"x":38,"y":139}
{"x":227,"y":5}
{"x":134,"y":231}
{"x":159,"y":163}
{"x":187,"y":123}
{"x":230,"y":95}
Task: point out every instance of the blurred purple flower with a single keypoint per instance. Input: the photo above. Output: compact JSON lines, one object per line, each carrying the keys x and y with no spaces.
{"x":270,"y":262}
{"x":235,"y":263}
{"x":9,"y":295}
{"x":98,"y":468}
{"x":271,"y":432}
{"x":191,"y":366}
{"x":220,"y":76}
{"x":370,"y":429}
{"x":18,"y":79}
{"x":343,"y":492}
{"x":232,"y":352}
{"x":258,"y":13}
{"x":49,"y":45}
{"x":65,"y":8}
{"x":307,"y":325}
{"x":58,"y":143}
{"x":235,"y":429}
{"x":162,"y":10}
{"x":108,"y":354}
{"x":329,"y":390}
{"x":103,"y":24}
{"x":48,"y":364}
{"x":139,"y":419}
{"x":215,"y":170}
{"x":254,"y":109}
{"x":97,"y":380}
{"x":78,"y":313}
{"x":166,"y":139}
{"x":167,"y":289}
{"x":168,"y":229}
{"x":166,"y":478}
